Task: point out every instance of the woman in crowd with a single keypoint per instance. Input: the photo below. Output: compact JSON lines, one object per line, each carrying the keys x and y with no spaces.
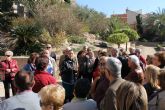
{"x":131,"y":96}
{"x":158,"y":101}
{"x":151,"y":77}
{"x":159,"y":59}
{"x":30,"y":66}
{"x":101,"y":83}
{"x":41,"y":76}
{"x":52,"y":97}
{"x":96,"y":65}
{"x":10,"y":68}
{"x":136,"y":73}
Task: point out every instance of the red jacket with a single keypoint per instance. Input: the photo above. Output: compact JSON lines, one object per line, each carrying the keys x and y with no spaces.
{"x":12,"y":64}
{"x":42,"y":78}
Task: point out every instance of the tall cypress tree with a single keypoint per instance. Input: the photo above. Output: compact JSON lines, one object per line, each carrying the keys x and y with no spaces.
{"x":139,"y":24}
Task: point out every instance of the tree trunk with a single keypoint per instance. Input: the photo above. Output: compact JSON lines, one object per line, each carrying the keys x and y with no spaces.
{"x":118,"y":45}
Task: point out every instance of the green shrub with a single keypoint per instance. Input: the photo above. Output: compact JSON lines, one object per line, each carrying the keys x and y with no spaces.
{"x":27,"y":36}
{"x":77,"y":39}
{"x":58,"y":39}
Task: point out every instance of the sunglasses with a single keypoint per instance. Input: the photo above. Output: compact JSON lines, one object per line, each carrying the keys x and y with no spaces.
{"x":7,"y":55}
{"x":48,"y":47}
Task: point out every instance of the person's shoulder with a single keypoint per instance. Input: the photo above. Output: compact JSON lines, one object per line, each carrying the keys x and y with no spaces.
{"x":91,"y":101}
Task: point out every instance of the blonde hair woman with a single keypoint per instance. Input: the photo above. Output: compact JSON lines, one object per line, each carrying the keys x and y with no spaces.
{"x":52,"y":97}
{"x":131,"y":96}
{"x":151,"y":76}
{"x":158,"y":101}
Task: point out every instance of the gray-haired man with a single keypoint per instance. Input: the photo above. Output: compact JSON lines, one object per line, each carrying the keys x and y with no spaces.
{"x":113,"y":73}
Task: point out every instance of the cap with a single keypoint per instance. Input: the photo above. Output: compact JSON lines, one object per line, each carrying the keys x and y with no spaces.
{"x":135,"y":59}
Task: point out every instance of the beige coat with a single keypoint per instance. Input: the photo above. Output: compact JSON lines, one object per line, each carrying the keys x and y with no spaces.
{"x":109,"y":100}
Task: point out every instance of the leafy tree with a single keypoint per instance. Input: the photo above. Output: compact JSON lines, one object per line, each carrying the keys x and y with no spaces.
{"x":132,"y":34}
{"x":118,"y":38}
{"x":154,"y":26}
{"x":139,"y":24}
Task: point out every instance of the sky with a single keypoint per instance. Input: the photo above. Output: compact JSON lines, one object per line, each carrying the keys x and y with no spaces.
{"x":119,"y":6}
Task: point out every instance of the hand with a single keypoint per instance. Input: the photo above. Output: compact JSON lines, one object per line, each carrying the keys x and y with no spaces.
{"x":8,"y":70}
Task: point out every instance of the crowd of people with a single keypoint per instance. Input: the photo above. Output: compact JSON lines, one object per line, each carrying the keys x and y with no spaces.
{"x":110,"y":79}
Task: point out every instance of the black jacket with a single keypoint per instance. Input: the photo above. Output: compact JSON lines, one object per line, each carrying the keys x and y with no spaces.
{"x":69,"y":70}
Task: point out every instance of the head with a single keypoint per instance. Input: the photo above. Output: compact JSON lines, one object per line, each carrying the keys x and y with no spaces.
{"x":91,"y":54}
{"x":102,"y":64}
{"x":48,"y":47}
{"x":149,"y":59}
{"x":138,"y":51}
{"x":131,"y":96}
{"x":151,"y":75}
{"x":114,"y":52}
{"x":85,"y":48}
{"x":42,"y":63}
{"x":132,"y":50}
{"x":82,"y":88}
{"x":24,"y":80}
{"x":159,"y":59}
{"x":102,"y":53}
{"x":45,"y":53}
{"x":113,"y":67}
{"x":161,"y":78}
{"x":52,"y":97}
{"x":67,"y":50}
{"x":133,"y":62}
{"x":32,"y":58}
{"x":8,"y":55}
{"x":71,"y":54}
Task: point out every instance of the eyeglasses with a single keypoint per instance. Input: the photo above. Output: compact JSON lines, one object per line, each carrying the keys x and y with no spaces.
{"x":48,"y":47}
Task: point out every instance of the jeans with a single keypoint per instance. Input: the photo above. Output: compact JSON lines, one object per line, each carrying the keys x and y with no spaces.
{"x":68,"y":91}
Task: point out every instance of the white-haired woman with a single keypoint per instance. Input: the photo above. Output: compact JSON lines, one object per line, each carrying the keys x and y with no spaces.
{"x":10,"y":68}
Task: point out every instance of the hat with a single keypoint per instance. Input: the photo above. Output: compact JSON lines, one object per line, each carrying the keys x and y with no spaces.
{"x":114,"y":65}
{"x":9,"y":53}
{"x":135,"y":59}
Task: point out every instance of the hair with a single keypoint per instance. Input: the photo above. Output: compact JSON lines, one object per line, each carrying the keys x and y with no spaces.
{"x":32,"y":58}
{"x":131,"y":96}
{"x":102,"y":53}
{"x":161,"y":57}
{"x":114,"y":65}
{"x":24,"y":80}
{"x":149,"y":59}
{"x":41,"y":63}
{"x":152,"y":73}
{"x":9,"y":53}
{"x":82,"y":88}
{"x":52,"y":95}
{"x":161,"y":79}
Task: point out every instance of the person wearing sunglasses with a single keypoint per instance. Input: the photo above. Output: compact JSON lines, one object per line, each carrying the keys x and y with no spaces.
{"x":52,"y":53}
{"x":10,"y":68}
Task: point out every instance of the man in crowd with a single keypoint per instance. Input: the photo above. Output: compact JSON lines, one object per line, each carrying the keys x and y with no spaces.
{"x":25,"y":98}
{"x":113,"y":73}
{"x":52,"y":53}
